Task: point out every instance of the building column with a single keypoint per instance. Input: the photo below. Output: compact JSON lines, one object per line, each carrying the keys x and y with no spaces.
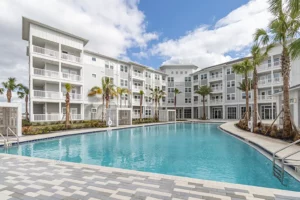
{"x":208,"y":112}
{"x":60,"y":111}
{"x":46,"y":111}
{"x":224,"y":116}
{"x":192,"y":112}
{"x":82,"y":111}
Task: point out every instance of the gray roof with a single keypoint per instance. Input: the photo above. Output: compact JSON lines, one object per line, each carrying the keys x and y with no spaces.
{"x":25,"y":30}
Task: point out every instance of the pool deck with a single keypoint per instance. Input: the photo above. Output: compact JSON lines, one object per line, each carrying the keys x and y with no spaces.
{"x":34,"y":178}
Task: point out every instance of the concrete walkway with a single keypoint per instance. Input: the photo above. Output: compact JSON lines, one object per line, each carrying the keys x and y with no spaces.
{"x":26,"y":178}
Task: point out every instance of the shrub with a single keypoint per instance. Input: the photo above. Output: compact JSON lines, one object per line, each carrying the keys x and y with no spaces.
{"x":26,"y":122}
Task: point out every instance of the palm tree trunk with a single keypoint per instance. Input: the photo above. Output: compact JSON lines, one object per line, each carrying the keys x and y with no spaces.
{"x":67,"y":110}
{"x":120,"y":101}
{"x":156,"y":109}
{"x":107,"y":101}
{"x":255,"y":97}
{"x":141,"y":107}
{"x":175,"y":105}
{"x":26,"y":108}
{"x":103,"y":102}
{"x":204,"y":116}
{"x":285,"y":62}
{"x":8,"y":95}
{"x":247,"y":98}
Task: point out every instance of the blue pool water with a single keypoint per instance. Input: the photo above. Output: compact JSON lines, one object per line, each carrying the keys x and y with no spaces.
{"x":183,"y":149}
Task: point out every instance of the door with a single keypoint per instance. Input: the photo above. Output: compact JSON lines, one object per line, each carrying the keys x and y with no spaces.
{"x":217,"y":113}
{"x":73,"y":113}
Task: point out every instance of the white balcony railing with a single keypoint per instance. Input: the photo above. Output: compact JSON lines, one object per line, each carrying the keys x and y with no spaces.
{"x":216,"y":101}
{"x":73,"y":96}
{"x":264,"y":67}
{"x":45,"y":73}
{"x":264,"y":82}
{"x":217,"y":89}
{"x":44,"y":51}
{"x":216,"y":77}
{"x":46,"y":94}
{"x":278,"y":80}
{"x":76,"y":117}
{"x":265,"y":97}
{"x":71,"y":58}
{"x":47,"y":117}
{"x":137,"y":75}
{"x":137,"y":88}
{"x":72,"y":77}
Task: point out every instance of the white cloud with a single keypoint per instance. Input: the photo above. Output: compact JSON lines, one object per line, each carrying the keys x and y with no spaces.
{"x":112,"y":26}
{"x":207,"y":45}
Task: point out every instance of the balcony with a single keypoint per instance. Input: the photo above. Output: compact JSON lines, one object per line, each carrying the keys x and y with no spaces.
{"x":70,"y":58}
{"x":278,"y":80}
{"x":215,"y":77}
{"x":137,"y":88}
{"x":138,"y":75}
{"x":265,"y":97}
{"x":217,"y":89}
{"x":45,"y":73}
{"x":46,"y":94}
{"x":54,"y":117}
{"x":136,"y":102}
{"x":46,"y":52}
{"x":170,"y":84}
{"x":216,"y":101}
{"x":73,"y":96}
{"x":71,"y":77}
{"x":265,"y":82}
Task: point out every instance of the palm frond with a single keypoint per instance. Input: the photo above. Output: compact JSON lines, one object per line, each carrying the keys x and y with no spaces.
{"x":1,"y":90}
{"x":204,"y":90}
{"x":261,"y":37}
{"x":68,"y":87}
{"x":294,"y":49}
{"x":276,"y":7}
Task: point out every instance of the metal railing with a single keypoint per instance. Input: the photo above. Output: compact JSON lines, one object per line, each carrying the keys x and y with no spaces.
{"x":216,"y":101}
{"x":45,"y":73}
{"x":279,"y":172}
{"x":9,"y":130}
{"x":47,"y":117}
{"x":277,"y":80}
{"x":264,"y":67}
{"x":4,"y":140}
{"x":265,"y":97}
{"x":265,"y":82}
{"x":46,"y":94}
{"x":44,"y":51}
{"x":71,"y":58}
{"x":72,"y":77}
{"x":73,"y":96}
{"x":217,"y":89}
{"x":76,"y":117}
{"x":216,"y":77}
{"x":136,"y":74}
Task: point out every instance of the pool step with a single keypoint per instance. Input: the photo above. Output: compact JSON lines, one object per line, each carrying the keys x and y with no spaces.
{"x":278,"y":172}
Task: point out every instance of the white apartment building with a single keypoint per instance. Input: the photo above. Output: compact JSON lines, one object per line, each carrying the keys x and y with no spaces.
{"x":57,"y":57}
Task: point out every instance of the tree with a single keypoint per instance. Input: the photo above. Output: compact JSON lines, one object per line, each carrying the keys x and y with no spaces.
{"x":283,"y":29}
{"x":242,"y":85}
{"x":156,"y":94}
{"x":108,"y":89}
{"x":176,"y":92}
{"x":204,"y":91}
{"x":244,"y":68}
{"x":68,"y":87}
{"x":98,"y":91}
{"x":141,"y":103}
{"x":121,"y":92}
{"x":1,"y":90}
{"x":24,"y":92}
{"x":257,"y":58}
{"x":10,"y":86}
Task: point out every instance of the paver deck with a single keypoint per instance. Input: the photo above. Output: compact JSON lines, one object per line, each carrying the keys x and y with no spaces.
{"x":33,"y":178}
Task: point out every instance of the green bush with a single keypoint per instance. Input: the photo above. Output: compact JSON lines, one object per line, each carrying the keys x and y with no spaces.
{"x":26,"y":123}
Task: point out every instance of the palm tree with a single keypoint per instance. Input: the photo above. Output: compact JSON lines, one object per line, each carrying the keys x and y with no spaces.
{"x":242,"y":85}
{"x":108,"y":89}
{"x":257,"y":58}
{"x":244,"y":68}
{"x":121,"y":92}
{"x":204,"y":91}
{"x":10,"y":87}
{"x":68,"y":87}
{"x":156,"y":96}
{"x":283,"y":29}
{"x":98,"y":91}
{"x":176,"y":91}
{"x":141,"y":103}
{"x":161,"y":94}
{"x":24,"y":92}
{"x":1,"y":90}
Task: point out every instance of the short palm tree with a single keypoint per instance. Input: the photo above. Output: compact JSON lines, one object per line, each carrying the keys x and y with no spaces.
{"x":244,"y":68}
{"x":176,"y":92}
{"x":284,"y":30}
{"x":10,"y":86}
{"x":156,"y":94}
{"x":98,"y":91}
{"x":258,"y":56}
{"x":141,"y":103}
{"x":204,"y":91}
{"x":68,"y":87}
{"x":160,"y":96}
{"x":242,"y":85}
{"x":24,"y":93}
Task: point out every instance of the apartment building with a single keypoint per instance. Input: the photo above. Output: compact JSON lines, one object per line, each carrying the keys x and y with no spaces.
{"x":226,"y":101}
{"x":57,"y":57}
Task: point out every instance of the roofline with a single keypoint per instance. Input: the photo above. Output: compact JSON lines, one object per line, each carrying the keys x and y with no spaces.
{"x":290,"y":89}
{"x":178,"y":65}
{"x":146,"y":67}
{"x":26,"y":22}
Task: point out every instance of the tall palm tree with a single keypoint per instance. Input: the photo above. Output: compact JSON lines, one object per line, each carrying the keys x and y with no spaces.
{"x":283,"y":29}
{"x":204,"y":91}
{"x":108,"y":89}
{"x":160,"y":96}
{"x":141,"y":103}
{"x":121,"y":92}
{"x":258,"y":56}
{"x":98,"y":91}
{"x":68,"y":87}
{"x":244,"y":68}
{"x":176,"y":92}
{"x":10,"y":86}
{"x":24,"y":92}
{"x":156,"y":94}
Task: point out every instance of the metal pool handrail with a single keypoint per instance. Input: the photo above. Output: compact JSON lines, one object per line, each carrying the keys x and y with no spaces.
{"x":9,"y":129}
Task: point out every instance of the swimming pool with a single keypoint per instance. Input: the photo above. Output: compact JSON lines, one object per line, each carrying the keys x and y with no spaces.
{"x":184,"y":149}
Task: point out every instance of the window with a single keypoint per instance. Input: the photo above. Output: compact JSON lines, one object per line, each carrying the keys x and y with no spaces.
{"x":156,"y":77}
{"x":229,"y":71}
{"x":185,"y":72}
{"x":170,"y":79}
{"x":93,"y":59}
{"x":170,"y":89}
{"x":111,"y":66}
{"x":123,"y":68}
{"x":94,"y":75}
{"x":244,"y":95}
{"x":187,"y":79}
{"x":188,"y":89}
{"x":124,"y":83}
{"x":163,"y":99}
{"x":187,"y":100}
{"x":94,"y":110}
{"x":195,"y":98}
{"x":231,"y":96}
{"x":170,"y":100}
{"x":106,"y":64}
{"x":187,"y":113}
{"x":195,"y":87}
{"x":176,"y":72}
{"x":181,"y":72}
{"x":148,"y":112}
{"x":230,"y":84}
{"x":231,"y":112}
{"x":276,"y":61}
{"x":172,"y":72}
{"x":195,"y":77}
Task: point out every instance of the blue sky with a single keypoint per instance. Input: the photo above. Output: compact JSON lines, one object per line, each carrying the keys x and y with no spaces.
{"x":172,"y":19}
